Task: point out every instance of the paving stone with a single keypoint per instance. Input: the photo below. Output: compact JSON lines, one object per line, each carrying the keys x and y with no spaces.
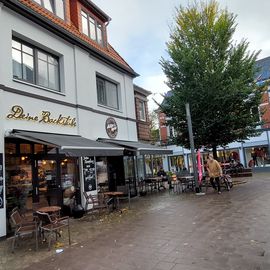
{"x":165,"y":231}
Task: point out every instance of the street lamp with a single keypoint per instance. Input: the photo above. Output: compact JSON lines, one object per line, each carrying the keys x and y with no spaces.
{"x":191,"y":140}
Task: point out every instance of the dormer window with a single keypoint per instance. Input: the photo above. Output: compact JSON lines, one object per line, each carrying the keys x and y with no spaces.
{"x":54,"y":6}
{"x":92,"y":28}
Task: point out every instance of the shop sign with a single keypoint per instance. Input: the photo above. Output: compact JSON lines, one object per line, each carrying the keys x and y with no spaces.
{"x":1,"y":182}
{"x":111,"y":127}
{"x":46,"y":117}
{"x":89,"y":173}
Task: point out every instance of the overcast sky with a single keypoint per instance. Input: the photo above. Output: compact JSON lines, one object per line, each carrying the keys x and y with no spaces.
{"x":140,"y":28}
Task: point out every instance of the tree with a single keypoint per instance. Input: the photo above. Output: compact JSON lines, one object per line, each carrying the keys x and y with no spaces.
{"x":212,"y":73}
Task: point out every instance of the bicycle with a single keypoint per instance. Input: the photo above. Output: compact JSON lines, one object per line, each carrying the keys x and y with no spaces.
{"x":226,"y":180}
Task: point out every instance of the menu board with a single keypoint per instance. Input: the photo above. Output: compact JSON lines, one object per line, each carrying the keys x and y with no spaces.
{"x":89,"y":173}
{"x":1,"y":182}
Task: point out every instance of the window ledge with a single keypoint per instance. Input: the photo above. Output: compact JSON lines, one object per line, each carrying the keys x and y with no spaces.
{"x":39,"y":87}
{"x":109,"y":108}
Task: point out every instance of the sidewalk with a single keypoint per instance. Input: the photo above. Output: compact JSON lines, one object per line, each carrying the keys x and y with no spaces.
{"x":166,"y":232}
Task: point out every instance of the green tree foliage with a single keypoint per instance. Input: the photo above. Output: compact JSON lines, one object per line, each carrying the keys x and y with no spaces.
{"x":214,"y":74}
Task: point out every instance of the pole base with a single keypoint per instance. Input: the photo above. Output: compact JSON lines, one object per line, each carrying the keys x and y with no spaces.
{"x":200,"y":193}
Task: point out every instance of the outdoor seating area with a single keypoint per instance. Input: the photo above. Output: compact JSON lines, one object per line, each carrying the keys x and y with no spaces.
{"x":45,"y":223}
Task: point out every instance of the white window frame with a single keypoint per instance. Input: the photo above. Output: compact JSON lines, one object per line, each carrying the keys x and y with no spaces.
{"x":54,"y":7}
{"x":106,"y":82}
{"x":142,"y":111}
{"x":36,"y":66}
{"x":92,"y":22}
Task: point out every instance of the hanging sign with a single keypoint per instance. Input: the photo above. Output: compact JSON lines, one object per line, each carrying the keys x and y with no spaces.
{"x":1,"y":182}
{"x":89,"y":173}
{"x":111,"y":127}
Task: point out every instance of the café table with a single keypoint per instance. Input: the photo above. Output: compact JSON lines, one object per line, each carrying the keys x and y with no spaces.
{"x":155,"y":182}
{"x":187,"y":182}
{"x":115,"y":196}
{"x":49,"y":209}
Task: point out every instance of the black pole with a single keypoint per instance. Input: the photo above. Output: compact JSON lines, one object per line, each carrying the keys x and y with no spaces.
{"x":192,"y":148}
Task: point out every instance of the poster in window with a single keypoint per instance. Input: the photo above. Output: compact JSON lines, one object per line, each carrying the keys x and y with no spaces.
{"x":1,"y":182}
{"x":89,"y":173}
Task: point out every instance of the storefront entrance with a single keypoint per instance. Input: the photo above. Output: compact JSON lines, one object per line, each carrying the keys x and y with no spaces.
{"x":36,"y":175}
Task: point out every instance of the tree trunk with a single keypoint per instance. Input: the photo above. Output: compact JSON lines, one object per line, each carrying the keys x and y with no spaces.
{"x":214,"y":148}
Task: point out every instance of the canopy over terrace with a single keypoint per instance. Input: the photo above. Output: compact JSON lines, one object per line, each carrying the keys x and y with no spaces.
{"x":71,"y":145}
{"x":138,"y":147}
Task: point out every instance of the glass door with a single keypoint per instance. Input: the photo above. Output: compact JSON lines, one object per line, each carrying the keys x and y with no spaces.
{"x":48,"y":184}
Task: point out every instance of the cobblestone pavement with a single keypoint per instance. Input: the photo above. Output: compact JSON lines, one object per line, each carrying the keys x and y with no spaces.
{"x":166,"y":232}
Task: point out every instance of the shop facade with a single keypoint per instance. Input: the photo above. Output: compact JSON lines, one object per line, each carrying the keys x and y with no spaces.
{"x":58,"y":95}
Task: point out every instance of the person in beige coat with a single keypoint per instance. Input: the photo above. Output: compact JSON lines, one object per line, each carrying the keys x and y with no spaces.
{"x":214,"y":171}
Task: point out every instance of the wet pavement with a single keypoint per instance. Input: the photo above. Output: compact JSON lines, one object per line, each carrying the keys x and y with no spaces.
{"x":165,"y":231}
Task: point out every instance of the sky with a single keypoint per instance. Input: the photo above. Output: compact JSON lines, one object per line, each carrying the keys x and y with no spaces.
{"x":139,"y":30}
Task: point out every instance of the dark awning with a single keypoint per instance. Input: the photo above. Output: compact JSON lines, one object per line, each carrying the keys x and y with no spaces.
{"x":139,"y":148}
{"x":71,"y":145}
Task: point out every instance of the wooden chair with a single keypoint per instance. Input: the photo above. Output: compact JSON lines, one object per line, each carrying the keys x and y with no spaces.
{"x":52,"y":226}
{"x":23,"y":227}
{"x":98,"y":202}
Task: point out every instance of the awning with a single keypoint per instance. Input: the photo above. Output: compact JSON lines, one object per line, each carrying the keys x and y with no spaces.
{"x":138,"y":147}
{"x":71,"y":145}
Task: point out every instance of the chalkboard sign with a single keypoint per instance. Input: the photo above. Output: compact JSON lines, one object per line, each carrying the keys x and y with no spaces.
{"x":1,"y":182}
{"x":89,"y":173}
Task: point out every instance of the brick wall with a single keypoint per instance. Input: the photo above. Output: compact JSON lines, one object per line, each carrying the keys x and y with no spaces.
{"x":143,"y":127}
{"x":162,"y":127}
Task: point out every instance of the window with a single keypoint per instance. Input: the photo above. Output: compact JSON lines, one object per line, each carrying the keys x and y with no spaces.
{"x":54,"y":6}
{"x":35,"y":66}
{"x":92,"y":28}
{"x":142,"y":114}
{"x":107,"y":93}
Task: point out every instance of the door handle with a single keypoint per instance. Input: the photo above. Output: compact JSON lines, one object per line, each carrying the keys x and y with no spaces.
{"x":36,"y":191}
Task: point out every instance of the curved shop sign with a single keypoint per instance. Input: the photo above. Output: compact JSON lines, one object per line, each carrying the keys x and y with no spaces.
{"x":46,"y":117}
{"x":111,"y":127}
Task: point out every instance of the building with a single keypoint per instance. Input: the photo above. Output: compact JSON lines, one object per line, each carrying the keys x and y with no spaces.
{"x":64,"y":90}
{"x":142,"y":115}
{"x":244,"y":152}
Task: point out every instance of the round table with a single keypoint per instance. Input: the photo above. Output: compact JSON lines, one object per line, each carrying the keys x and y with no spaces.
{"x":49,"y":209}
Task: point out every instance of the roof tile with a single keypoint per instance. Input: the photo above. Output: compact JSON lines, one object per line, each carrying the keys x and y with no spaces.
{"x":109,"y":51}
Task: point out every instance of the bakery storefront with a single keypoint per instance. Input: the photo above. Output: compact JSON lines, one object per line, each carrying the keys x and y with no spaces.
{"x":40,"y":166}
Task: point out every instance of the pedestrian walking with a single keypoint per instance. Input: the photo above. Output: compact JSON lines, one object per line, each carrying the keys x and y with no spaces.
{"x":214,"y":171}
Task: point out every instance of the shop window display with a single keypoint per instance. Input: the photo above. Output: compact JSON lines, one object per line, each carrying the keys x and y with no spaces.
{"x":19,"y":183}
{"x":257,"y":156}
{"x":102,"y":173}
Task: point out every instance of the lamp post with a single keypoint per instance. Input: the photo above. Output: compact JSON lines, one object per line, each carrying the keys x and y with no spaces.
{"x":191,"y":140}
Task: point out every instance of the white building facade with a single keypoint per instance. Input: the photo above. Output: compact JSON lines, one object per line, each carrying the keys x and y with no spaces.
{"x":54,"y":82}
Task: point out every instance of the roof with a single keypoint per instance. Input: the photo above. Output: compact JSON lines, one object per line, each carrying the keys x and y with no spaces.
{"x":142,"y":90}
{"x":44,"y":17}
{"x":97,"y":9}
{"x":139,"y":147}
{"x":264,"y":69}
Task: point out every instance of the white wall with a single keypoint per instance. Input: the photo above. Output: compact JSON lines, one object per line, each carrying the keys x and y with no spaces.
{"x":78,"y":80}
{"x":3,"y":210}
{"x":14,"y":23}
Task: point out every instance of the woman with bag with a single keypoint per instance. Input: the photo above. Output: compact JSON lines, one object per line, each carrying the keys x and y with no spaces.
{"x":214,"y":171}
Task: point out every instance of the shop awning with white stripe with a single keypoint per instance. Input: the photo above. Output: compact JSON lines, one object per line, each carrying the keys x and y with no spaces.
{"x":71,"y":145}
{"x":138,"y":147}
